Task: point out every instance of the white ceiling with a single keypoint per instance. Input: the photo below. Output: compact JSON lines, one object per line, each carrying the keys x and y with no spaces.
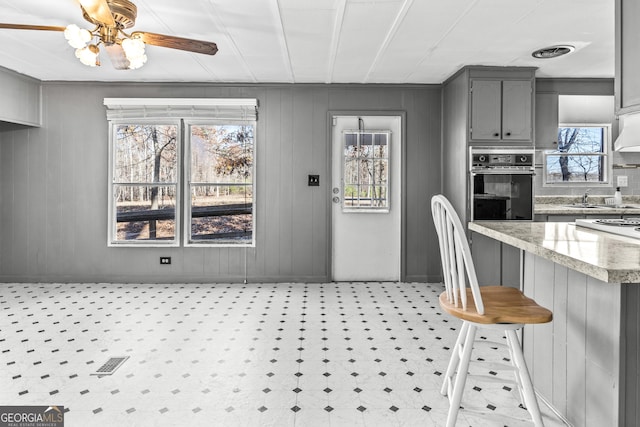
{"x":326,"y":41}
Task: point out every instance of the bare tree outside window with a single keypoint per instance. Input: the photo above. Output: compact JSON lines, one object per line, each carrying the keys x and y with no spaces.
{"x":145,"y":179}
{"x":581,"y":155}
{"x":221,"y":186}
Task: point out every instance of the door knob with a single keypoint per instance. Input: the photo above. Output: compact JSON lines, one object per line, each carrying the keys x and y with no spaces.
{"x":336,"y":199}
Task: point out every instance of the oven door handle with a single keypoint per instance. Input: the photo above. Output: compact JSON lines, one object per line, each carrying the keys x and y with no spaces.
{"x":502,"y":172}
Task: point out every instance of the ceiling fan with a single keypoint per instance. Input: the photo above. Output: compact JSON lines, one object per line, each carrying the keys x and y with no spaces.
{"x":111,"y":18}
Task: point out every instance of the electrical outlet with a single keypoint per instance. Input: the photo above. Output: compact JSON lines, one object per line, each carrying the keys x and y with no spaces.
{"x":314,"y":180}
{"x":165,"y":260}
{"x":623,"y":181}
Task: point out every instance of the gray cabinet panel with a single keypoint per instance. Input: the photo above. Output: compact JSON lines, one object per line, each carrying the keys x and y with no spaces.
{"x":486,"y":102}
{"x":546,"y":121}
{"x":501,"y":110}
{"x":627,"y":56}
{"x":517,"y":110}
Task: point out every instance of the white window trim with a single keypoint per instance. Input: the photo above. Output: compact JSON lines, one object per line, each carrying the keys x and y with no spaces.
{"x":607,"y":154}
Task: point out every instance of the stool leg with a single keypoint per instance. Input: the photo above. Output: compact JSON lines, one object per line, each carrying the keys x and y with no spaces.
{"x":453,"y":361}
{"x":516,"y":373}
{"x":530,"y":399}
{"x":461,"y":377}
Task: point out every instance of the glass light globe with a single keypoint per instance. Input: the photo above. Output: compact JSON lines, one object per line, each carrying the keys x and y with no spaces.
{"x":133,"y":48}
{"x":88,"y":55}
{"x":137,"y":62}
{"x":77,"y":37}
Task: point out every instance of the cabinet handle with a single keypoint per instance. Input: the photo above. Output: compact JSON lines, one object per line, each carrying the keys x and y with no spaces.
{"x":508,"y":134}
{"x":496,"y":134}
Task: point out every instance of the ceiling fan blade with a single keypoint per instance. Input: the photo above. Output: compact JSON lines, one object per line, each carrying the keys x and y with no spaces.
{"x":117,"y":56}
{"x":191,"y":45}
{"x":32,"y":27}
{"x":99,"y":11}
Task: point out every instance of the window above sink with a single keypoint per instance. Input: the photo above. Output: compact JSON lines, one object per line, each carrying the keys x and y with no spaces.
{"x":582,"y":157}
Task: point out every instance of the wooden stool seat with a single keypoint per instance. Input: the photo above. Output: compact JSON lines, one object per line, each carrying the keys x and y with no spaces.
{"x":501,"y":305}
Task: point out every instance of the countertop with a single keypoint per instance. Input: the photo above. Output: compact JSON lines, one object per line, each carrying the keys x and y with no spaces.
{"x":610,"y":258}
{"x":568,"y":209}
{"x":570,"y":205}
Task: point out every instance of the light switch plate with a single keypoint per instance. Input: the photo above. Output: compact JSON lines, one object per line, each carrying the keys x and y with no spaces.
{"x":623,"y":181}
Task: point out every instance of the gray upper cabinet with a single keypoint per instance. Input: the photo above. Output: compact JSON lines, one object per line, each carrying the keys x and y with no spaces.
{"x":627,"y":80}
{"x":21,"y":99}
{"x":478,"y":102}
{"x":546,"y":121}
{"x":501,"y":110}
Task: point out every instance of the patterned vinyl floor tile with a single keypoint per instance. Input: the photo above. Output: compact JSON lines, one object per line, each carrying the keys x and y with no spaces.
{"x":287,"y":354}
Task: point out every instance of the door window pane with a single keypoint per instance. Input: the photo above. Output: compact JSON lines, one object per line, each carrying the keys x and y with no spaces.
{"x":366,"y":171}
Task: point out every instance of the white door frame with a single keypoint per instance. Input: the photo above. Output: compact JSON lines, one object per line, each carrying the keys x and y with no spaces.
{"x":403,"y":184}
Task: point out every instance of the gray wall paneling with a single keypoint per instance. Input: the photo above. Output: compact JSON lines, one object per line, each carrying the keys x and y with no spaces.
{"x":578,"y":361}
{"x":53,"y":187}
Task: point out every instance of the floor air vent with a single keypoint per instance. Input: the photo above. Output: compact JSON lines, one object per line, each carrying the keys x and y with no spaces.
{"x":110,"y":366}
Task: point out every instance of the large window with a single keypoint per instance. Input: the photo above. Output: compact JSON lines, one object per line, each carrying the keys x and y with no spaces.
{"x":221,"y":184}
{"x":165,"y":191}
{"x":582,"y":156}
{"x":145,"y":182}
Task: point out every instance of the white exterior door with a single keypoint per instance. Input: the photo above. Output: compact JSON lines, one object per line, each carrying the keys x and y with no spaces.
{"x":366,"y":192}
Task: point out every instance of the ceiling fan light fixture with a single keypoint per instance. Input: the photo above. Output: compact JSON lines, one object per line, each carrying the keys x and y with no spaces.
{"x":137,"y":62}
{"x":88,"y":55}
{"x":77,"y":37}
{"x":134,"y":51}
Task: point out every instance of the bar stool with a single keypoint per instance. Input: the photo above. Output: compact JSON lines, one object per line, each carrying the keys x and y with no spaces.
{"x":490,"y":307}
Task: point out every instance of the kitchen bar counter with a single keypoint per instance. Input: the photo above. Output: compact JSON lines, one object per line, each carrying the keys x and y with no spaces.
{"x":604,"y":256}
{"x":585,"y":362}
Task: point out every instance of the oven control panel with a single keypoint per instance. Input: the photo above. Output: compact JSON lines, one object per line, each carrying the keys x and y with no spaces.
{"x":501,"y":159}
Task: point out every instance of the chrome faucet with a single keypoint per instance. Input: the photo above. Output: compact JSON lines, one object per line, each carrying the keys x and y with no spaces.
{"x":585,"y":197}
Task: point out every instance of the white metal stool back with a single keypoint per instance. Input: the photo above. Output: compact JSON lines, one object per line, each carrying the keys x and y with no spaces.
{"x":502,"y":307}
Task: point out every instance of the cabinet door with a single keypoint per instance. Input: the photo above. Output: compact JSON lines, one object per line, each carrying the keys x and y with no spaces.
{"x":486,"y":100}
{"x":627,"y":56}
{"x":546,"y":121}
{"x":516,"y":110}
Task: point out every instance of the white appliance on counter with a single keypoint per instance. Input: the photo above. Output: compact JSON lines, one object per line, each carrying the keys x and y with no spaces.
{"x":628,"y":227}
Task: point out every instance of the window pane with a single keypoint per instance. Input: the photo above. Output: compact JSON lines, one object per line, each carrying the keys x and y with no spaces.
{"x":221,"y":154}
{"x":578,"y":168}
{"x":581,"y":140}
{"x":221,"y":190}
{"x":222,"y":213}
{"x":145,"y":153}
{"x":145,"y":212}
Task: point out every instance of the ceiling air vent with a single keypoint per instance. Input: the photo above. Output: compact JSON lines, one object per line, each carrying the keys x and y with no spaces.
{"x":553,"y":51}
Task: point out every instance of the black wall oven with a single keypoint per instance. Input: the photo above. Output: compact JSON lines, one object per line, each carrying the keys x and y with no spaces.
{"x":501,"y":184}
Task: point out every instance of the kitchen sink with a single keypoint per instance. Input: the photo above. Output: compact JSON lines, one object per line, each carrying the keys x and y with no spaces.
{"x":592,"y":206}
{"x":586,"y":205}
